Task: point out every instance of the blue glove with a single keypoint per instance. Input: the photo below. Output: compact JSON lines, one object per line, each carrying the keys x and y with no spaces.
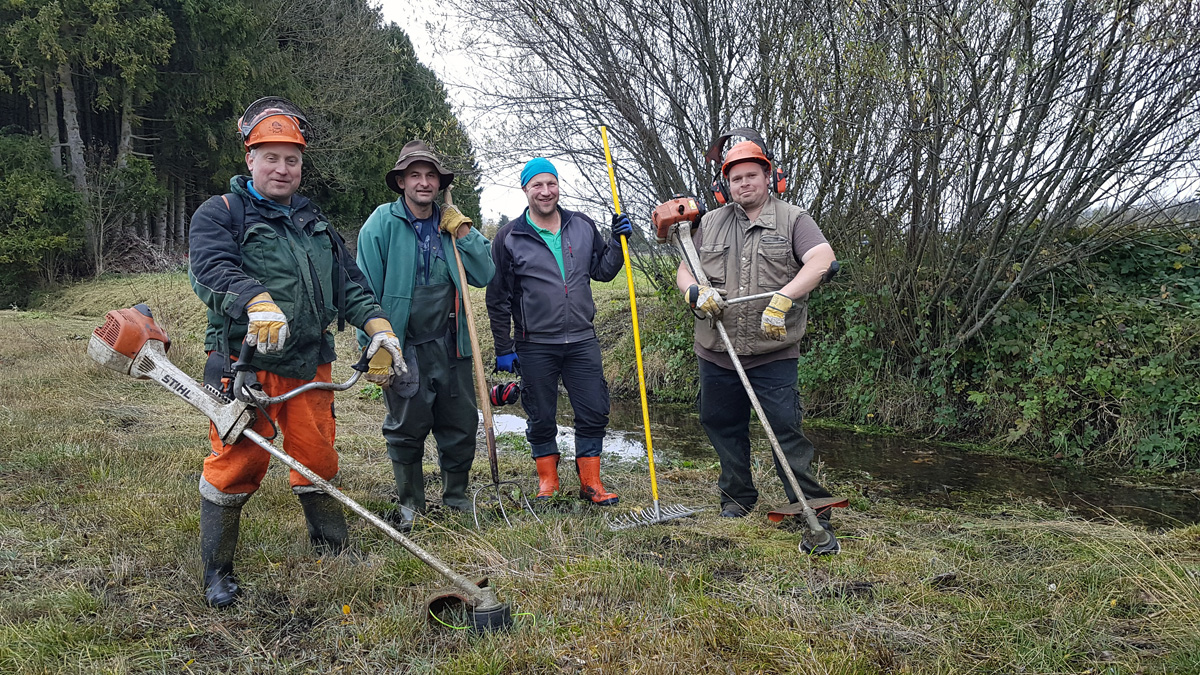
{"x":621,"y":226}
{"x":507,"y":363}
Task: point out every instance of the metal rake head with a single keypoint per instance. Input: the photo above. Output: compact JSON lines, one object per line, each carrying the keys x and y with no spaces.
{"x":650,"y":516}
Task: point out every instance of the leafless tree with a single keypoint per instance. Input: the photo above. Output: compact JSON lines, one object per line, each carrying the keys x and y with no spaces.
{"x":961,"y":150}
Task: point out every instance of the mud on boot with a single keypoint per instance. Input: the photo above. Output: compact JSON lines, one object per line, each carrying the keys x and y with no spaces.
{"x":410,"y":493}
{"x":590,"y":487}
{"x":326,"y":522}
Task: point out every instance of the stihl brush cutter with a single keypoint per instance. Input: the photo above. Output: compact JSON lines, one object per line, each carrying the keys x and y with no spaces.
{"x":131,"y":343}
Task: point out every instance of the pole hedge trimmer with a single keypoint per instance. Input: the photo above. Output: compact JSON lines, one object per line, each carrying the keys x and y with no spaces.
{"x":131,"y":343}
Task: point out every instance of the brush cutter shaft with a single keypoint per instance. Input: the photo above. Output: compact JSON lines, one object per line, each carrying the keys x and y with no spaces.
{"x":485,"y":598}
{"x":683,"y":236}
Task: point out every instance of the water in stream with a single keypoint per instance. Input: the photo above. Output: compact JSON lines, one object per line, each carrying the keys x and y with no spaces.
{"x":903,"y":469}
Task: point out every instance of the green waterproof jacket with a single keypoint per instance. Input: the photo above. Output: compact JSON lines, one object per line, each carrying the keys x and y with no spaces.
{"x":388,"y":255}
{"x":241,"y":245}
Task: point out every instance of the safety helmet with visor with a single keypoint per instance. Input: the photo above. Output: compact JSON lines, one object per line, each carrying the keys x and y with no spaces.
{"x":273,"y":119}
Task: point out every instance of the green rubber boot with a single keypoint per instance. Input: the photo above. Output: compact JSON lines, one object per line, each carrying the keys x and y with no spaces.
{"x":218,"y":539}
{"x":326,"y":522}
{"x":454,"y":491}
{"x":410,"y":492}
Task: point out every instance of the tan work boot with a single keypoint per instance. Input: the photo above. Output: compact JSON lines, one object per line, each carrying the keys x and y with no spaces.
{"x":590,"y":487}
{"x":547,"y":468}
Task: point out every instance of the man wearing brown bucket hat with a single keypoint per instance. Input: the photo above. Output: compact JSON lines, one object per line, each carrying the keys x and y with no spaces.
{"x":406,"y":257}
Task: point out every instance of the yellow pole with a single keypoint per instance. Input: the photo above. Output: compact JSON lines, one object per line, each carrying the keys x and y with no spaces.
{"x":637,"y":338}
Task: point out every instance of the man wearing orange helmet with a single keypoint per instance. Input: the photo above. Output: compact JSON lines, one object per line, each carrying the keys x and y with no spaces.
{"x":274,"y":273}
{"x":755,"y":244}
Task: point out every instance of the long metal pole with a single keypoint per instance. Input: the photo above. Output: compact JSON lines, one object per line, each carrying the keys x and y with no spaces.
{"x":485,"y":598}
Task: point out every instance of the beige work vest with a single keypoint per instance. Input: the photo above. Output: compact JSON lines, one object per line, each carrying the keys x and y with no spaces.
{"x":745,"y":258}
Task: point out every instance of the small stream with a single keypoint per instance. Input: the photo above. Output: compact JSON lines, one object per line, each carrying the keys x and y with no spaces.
{"x":907,"y":470}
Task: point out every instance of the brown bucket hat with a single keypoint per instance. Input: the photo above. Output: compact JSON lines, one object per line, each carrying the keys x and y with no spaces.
{"x":417,"y":151}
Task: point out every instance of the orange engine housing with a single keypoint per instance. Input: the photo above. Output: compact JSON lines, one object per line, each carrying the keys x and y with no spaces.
{"x":671,"y":212}
{"x":127,"y":330}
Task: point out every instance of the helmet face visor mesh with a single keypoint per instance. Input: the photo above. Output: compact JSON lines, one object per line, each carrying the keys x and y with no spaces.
{"x":266,"y":107}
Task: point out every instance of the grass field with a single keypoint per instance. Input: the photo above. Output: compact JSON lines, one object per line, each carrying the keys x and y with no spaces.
{"x":100,"y":572}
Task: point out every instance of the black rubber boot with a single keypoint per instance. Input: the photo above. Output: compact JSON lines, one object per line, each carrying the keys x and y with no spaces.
{"x":735,"y":510}
{"x":218,"y":539}
{"x":410,"y":492}
{"x":326,"y":522}
{"x":454,"y":491}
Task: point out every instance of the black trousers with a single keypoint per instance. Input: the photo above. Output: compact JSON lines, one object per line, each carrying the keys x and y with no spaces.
{"x":725,"y":415}
{"x":578,"y":366}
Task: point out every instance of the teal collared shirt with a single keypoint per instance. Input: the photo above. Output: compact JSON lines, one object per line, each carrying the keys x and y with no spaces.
{"x":553,"y":240}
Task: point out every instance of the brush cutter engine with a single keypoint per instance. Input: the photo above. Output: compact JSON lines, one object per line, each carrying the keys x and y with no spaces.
{"x":678,"y":209}
{"x":131,"y":343}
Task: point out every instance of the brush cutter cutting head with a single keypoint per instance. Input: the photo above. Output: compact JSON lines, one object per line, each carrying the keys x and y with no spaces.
{"x":118,"y":341}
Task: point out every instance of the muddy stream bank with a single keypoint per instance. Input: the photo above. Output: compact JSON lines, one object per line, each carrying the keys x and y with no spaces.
{"x":906,"y":470}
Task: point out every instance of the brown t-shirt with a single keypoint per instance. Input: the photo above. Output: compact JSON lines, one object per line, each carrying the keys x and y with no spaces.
{"x":805,"y":236}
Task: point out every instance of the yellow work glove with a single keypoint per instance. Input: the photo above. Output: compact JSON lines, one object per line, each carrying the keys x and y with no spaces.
{"x":268,"y":326}
{"x":386,"y":359}
{"x":706,"y":299}
{"x":773,"y":317}
{"x":453,"y":221}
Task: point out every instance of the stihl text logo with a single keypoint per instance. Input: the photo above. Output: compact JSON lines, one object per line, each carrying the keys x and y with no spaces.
{"x":177,"y":386}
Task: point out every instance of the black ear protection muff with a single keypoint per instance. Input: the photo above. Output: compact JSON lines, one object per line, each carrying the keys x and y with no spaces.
{"x":716,"y":153}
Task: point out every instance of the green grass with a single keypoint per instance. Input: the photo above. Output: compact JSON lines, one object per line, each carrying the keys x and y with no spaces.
{"x":100,"y":573}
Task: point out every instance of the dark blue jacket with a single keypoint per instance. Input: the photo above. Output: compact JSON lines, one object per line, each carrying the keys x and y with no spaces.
{"x":528,"y":294}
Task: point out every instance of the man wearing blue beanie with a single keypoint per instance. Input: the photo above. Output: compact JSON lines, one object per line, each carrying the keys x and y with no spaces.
{"x":540,"y":307}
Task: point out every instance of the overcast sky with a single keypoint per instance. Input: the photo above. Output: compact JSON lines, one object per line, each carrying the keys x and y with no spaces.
{"x":501,"y":185}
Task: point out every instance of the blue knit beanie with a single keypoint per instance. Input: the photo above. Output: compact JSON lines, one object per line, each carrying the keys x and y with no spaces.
{"x":535,"y":166}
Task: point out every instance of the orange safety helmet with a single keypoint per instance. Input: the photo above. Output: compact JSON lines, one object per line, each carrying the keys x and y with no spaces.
{"x":746,"y":151}
{"x":273,"y":120}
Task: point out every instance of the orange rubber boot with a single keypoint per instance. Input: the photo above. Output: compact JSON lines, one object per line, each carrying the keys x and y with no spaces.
{"x":547,"y":468}
{"x":590,"y":487}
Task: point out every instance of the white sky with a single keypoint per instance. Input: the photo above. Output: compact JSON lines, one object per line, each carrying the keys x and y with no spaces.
{"x":501,"y":184}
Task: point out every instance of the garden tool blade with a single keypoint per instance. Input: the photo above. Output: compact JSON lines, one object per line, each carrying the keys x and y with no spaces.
{"x":797,"y":509}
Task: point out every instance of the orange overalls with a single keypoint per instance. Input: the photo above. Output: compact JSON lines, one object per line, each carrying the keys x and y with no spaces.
{"x":308,"y":428}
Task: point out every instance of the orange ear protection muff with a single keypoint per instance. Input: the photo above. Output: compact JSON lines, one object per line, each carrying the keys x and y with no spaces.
{"x":754,"y":148}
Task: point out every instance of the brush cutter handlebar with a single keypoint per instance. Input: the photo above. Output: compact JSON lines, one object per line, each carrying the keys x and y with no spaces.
{"x":245,"y":389}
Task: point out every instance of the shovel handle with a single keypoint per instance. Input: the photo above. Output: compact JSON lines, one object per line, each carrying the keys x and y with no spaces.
{"x":481,"y":391}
